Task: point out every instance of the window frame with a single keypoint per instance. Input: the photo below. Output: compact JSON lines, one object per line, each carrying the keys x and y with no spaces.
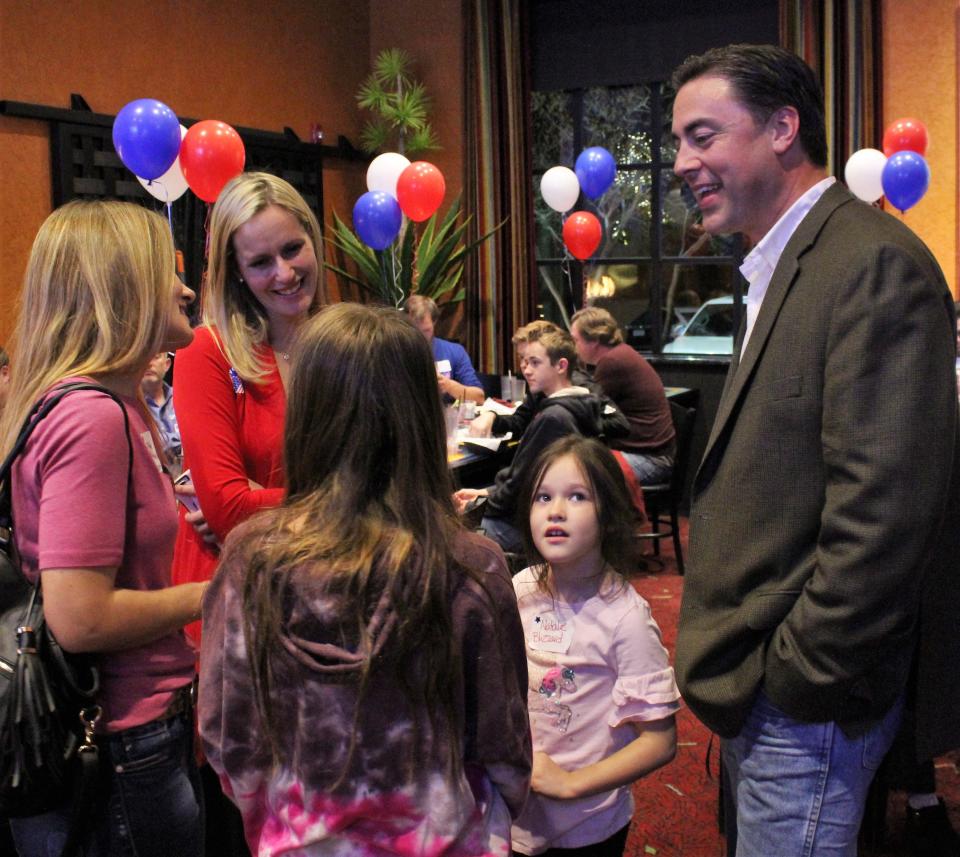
{"x":657,"y":261}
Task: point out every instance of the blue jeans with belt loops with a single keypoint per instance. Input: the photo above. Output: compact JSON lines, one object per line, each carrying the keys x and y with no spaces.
{"x":149,"y":802}
{"x":798,"y":789}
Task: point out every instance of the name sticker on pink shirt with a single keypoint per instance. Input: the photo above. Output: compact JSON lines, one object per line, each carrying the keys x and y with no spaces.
{"x":549,"y":632}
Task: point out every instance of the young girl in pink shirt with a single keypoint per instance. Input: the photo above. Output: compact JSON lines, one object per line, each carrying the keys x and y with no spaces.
{"x":601,"y":695}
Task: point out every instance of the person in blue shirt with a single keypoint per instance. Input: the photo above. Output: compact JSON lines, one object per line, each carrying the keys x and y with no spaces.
{"x":455,"y":373}
{"x":159,"y":397}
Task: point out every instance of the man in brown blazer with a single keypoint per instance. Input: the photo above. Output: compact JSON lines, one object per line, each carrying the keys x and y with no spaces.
{"x":820,"y":501}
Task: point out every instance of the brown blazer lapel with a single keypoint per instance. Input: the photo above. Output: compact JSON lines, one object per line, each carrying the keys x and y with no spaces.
{"x":785,"y":274}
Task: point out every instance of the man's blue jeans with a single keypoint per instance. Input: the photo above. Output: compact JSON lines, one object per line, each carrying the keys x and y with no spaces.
{"x":151,"y":805}
{"x":798,"y":789}
{"x":650,"y":469}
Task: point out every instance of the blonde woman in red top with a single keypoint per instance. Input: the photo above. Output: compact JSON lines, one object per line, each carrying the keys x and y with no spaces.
{"x":264,"y":279}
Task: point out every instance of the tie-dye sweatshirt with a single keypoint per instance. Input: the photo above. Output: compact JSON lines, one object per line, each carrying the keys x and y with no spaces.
{"x":397,"y":796}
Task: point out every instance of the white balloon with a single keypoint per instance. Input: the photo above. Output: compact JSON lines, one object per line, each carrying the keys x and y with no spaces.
{"x":171,"y":185}
{"x":384,"y":170}
{"x":863,"y":174}
{"x":560,"y":188}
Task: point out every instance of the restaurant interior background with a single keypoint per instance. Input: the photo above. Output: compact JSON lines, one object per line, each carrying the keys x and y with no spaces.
{"x":592,"y":65}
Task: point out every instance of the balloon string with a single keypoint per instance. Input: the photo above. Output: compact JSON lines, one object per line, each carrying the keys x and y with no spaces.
{"x":206,"y":233}
{"x":568,"y":275}
{"x":396,"y":279}
{"x":170,"y":218}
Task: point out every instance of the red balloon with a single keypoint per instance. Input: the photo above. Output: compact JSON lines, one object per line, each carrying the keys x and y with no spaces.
{"x":582,"y":234}
{"x":211,"y":154}
{"x":420,"y":190}
{"x":905,"y":135}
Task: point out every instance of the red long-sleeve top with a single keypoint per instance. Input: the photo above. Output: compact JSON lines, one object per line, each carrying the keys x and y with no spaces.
{"x":232,"y":432}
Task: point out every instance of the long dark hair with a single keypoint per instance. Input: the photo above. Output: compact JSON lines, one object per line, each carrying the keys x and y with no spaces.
{"x":616,"y":515}
{"x":368,"y":509}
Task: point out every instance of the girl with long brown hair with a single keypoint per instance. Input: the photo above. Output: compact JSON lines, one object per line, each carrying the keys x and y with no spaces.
{"x":362,"y":670}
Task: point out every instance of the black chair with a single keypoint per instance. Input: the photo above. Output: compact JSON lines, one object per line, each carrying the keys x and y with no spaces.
{"x":665,"y":498}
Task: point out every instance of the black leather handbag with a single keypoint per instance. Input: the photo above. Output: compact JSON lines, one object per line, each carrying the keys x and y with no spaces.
{"x":48,"y":710}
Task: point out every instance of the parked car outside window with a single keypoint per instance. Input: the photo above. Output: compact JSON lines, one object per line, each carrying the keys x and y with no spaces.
{"x":710,"y":331}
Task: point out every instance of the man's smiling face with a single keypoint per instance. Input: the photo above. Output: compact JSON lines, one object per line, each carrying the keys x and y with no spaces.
{"x":727,"y":158}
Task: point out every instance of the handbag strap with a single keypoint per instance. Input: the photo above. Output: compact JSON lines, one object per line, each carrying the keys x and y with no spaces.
{"x":86,"y":789}
{"x":37,"y":413}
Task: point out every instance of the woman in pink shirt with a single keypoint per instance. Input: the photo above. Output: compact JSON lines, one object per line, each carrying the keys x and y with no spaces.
{"x":95,"y":518}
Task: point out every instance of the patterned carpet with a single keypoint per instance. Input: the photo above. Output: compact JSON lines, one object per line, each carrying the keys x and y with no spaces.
{"x":676,"y":806}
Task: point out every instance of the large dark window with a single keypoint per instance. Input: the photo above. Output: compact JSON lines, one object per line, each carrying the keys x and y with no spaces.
{"x":655,"y":267}
{"x":596,"y":70}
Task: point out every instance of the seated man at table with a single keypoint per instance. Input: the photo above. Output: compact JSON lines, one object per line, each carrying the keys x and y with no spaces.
{"x":634,"y":386}
{"x":563,"y":409}
{"x":455,"y":373}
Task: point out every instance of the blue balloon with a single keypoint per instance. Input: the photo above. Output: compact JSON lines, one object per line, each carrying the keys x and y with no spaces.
{"x":146,"y":135}
{"x":377,"y":218}
{"x":905,"y":179}
{"x":595,"y":169}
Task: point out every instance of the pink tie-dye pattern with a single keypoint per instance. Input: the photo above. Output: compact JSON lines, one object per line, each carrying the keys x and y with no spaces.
{"x":387,"y":824}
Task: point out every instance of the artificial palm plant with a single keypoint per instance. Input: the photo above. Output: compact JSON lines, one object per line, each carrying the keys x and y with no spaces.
{"x":399,"y":104}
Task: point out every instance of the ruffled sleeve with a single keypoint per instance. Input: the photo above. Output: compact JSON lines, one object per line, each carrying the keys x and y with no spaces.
{"x":653,"y":696}
{"x":645,"y":688}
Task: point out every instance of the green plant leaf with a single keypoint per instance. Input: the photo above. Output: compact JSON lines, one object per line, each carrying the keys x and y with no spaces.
{"x":438,"y":264}
{"x":405,"y":111}
{"x":371,"y":95}
{"x":354,"y":249}
{"x":415,"y":98}
{"x":425,"y":245}
{"x":375,"y":135}
{"x":432,"y":235}
{"x":346,"y":275}
{"x":447,"y":284}
{"x":392,"y":63}
{"x":422,"y":140}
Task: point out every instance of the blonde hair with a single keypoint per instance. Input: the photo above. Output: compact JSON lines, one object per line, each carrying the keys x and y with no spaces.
{"x":597,"y":325}
{"x":557,"y":343}
{"x":96,"y":299}
{"x":532,"y":331}
{"x":418,"y":307}
{"x":228,"y":304}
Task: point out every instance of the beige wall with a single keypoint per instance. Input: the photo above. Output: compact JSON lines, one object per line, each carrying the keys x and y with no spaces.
{"x":291,"y":62}
{"x":433,"y":34}
{"x":920,"y":80}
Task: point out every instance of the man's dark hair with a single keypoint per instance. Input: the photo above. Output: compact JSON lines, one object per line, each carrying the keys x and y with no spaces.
{"x":766,"y":78}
